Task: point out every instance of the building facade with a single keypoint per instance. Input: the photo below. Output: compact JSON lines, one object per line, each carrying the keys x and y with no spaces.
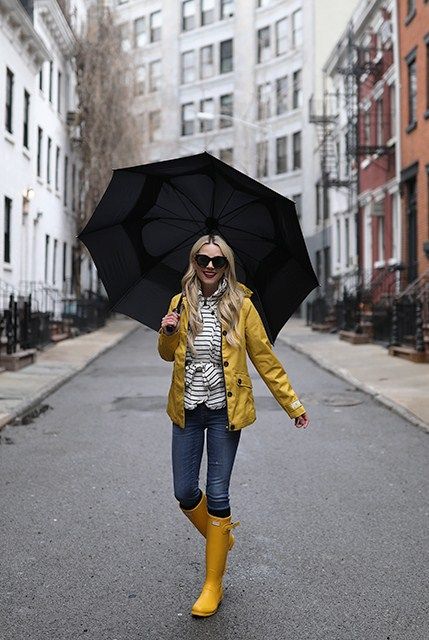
{"x":362,"y":150}
{"x":39,"y":189}
{"x":413,"y":23}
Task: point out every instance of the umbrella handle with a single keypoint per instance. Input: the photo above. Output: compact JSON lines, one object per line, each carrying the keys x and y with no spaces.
{"x":169,"y":328}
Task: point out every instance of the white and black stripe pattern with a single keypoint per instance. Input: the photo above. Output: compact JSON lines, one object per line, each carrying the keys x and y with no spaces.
{"x":204,"y":380}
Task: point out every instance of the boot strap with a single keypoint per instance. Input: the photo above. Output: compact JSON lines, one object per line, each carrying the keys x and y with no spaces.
{"x":231,"y":526}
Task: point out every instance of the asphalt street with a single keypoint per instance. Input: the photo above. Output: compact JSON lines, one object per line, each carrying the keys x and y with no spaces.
{"x":333,"y":541}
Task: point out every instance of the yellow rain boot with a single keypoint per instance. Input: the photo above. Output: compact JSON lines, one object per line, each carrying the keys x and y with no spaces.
{"x":217,"y":544}
{"x":198,"y":516}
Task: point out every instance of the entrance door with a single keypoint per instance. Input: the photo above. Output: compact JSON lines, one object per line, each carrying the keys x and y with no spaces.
{"x":412,"y":228}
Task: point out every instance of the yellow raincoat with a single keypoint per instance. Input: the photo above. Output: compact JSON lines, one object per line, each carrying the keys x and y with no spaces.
{"x":238,"y":384}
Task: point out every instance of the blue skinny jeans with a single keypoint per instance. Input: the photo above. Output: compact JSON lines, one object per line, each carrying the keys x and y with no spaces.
{"x":187,"y":451}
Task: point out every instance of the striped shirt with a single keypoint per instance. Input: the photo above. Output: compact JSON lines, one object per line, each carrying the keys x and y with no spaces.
{"x":204,"y":381}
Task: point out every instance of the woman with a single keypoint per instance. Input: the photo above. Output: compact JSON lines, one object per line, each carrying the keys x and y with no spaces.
{"x":211,"y":388}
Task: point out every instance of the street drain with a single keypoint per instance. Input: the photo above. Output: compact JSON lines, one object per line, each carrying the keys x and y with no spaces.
{"x":343,"y":400}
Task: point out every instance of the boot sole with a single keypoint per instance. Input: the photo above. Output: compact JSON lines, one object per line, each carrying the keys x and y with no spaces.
{"x":206,"y":615}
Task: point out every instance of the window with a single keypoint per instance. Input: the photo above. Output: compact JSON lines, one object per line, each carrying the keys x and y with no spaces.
{"x":226,"y":109}
{"x":66,"y":178}
{"x":207,"y":106}
{"x":226,"y":56}
{"x":54,"y":261}
{"x":64,"y":260}
{"x":379,"y":122}
{"x":427,"y":74}
{"x":125,"y":36}
{"x":46,"y":256}
{"x":297,"y":89}
{"x":226,"y":9}
{"x":48,"y":161}
{"x":188,"y":66}
{"x":9,"y":100}
{"x":188,"y":15}
{"x":41,"y":78}
{"x":73,"y":186}
{"x":227,"y":155}
{"x":297,"y":198}
{"x":59,"y":89}
{"x":380,"y":233}
{"x":411,"y":7}
{"x":155,"y":75}
{"x":39,"y":151}
{"x":140,"y":80}
{"x":57,"y":168}
{"x":281,"y":95}
{"x":367,"y":127}
{"x":263,"y":44}
{"x":262,"y":159}
{"x":154,"y":125}
{"x":187,"y":119}
{"x":139,"y":32}
{"x":264,"y":101}
{"x":412,"y":91}
{"x":207,"y":62}
{"x":296,"y":144}
{"x":297,"y":28}
{"x":207,"y":11}
{"x":281,"y":36}
{"x":51,"y":80}
{"x":338,"y":234}
{"x":392,"y":102}
{"x":155,"y":26}
{"x":347,"y":234}
{"x":7,"y":228}
{"x":25,"y":137}
{"x":281,"y":154}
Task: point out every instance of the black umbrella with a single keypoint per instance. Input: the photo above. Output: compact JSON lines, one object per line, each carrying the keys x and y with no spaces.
{"x":141,"y":232}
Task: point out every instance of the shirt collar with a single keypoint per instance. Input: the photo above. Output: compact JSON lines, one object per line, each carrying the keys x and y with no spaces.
{"x":214,"y":298}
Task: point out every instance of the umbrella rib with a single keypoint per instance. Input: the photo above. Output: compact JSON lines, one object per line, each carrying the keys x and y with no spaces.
{"x":190,"y":200}
{"x":170,"y":223}
{"x":250,"y":233}
{"x":169,"y":211}
{"x":238,"y":208}
{"x":221,"y":211}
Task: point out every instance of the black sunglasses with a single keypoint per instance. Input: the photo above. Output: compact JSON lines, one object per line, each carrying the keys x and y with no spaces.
{"x":218,"y":261}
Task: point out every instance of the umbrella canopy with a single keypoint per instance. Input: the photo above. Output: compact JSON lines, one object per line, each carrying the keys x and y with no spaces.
{"x":142,"y":230}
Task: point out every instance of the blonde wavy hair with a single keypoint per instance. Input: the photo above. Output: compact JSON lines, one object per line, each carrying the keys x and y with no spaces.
{"x":228,"y":309}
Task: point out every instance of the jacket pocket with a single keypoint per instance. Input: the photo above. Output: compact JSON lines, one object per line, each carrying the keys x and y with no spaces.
{"x":243,"y":380}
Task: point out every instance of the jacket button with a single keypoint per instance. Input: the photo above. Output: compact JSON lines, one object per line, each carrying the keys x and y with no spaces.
{"x":225,"y":364}
{"x":232,"y":427}
{"x":239,"y":380}
{"x":224,"y":332}
{"x":229,"y":394}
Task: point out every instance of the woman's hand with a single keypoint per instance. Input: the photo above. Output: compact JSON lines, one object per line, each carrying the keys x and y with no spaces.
{"x":171,"y":319}
{"x":302,"y":421}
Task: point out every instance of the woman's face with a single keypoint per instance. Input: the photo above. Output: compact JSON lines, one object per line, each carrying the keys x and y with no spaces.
{"x":209,"y":276}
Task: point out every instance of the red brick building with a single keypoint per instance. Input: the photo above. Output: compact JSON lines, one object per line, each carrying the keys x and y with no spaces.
{"x":413,"y":29}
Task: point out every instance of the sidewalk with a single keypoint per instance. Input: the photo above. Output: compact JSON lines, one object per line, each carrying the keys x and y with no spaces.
{"x":23,"y":390}
{"x":401,"y":385}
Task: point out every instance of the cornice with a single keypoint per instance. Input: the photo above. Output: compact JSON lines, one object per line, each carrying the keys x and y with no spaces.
{"x":17,"y":25}
{"x":55,"y":21}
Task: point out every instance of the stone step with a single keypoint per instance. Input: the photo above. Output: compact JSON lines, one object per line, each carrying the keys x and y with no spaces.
{"x":409,"y":354}
{"x":354,"y":338}
{"x":18,"y":360}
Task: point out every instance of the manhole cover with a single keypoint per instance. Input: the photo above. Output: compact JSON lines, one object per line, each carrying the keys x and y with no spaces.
{"x":343,"y":400}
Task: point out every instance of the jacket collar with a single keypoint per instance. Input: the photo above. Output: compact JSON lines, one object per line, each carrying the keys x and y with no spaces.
{"x":247,"y":293}
{"x":214,"y":297}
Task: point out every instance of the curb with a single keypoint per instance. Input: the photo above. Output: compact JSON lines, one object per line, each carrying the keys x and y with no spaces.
{"x":366,"y":388}
{"x":27,"y":405}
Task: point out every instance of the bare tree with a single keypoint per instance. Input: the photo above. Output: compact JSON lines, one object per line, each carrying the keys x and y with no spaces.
{"x":110,"y":135}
